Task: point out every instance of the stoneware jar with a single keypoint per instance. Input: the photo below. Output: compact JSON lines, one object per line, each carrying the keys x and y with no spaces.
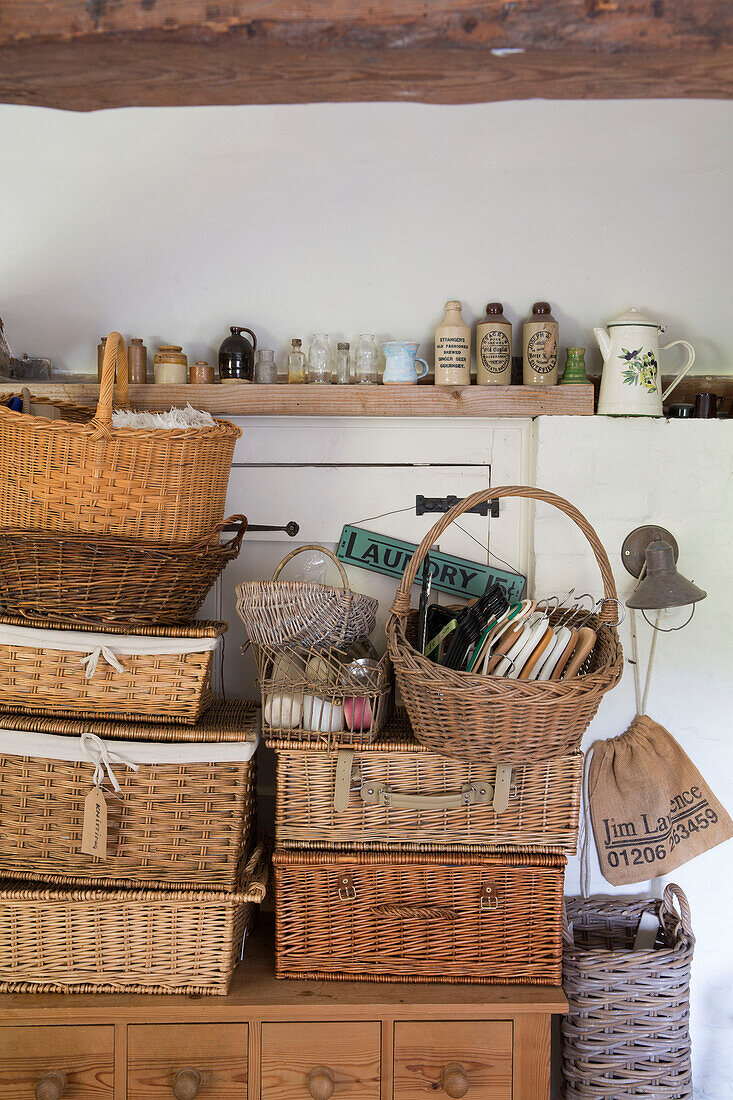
{"x":202,"y":373}
{"x":237,"y":356}
{"x":170,"y":365}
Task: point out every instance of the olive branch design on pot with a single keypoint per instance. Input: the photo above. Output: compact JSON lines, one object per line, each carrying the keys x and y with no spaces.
{"x":640,"y":370}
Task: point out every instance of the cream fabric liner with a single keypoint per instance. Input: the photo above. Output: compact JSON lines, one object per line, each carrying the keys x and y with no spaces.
{"x":79,"y":641}
{"x":50,"y":746}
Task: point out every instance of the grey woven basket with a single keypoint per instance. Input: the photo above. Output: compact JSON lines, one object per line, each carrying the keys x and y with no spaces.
{"x":626,"y":1034}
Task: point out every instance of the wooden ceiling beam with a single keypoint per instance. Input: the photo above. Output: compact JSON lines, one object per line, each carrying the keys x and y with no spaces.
{"x":88,"y":54}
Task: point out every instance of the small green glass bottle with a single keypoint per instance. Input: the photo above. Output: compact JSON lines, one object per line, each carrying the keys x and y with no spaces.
{"x":574,"y":368}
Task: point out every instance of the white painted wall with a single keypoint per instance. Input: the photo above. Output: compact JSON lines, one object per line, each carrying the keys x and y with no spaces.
{"x":621,"y":473}
{"x":172,"y":224}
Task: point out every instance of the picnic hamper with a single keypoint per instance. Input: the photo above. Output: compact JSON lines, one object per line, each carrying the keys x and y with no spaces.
{"x":166,"y":486}
{"x":179,"y":816}
{"x":100,"y":940}
{"x":626,"y":1034}
{"x":109,"y":579}
{"x":419,"y":917}
{"x":331,"y":695}
{"x":494,"y":719}
{"x":50,"y":407}
{"x":395,"y":794}
{"x":224,"y":720}
{"x":155,"y":672}
{"x":304,"y":613}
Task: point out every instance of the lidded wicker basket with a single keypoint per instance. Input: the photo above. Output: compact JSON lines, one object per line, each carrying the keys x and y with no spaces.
{"x":491,"y":719}
{"x":626,"y":1034}
{"x":304,"y":613}
{"x":168,"y":486}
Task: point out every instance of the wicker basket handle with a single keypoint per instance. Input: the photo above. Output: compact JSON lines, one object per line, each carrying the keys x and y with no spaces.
{"x":113,"y":365}
{"x":234,"y":542}
{"x":312,"y":546}
{"x":672,"y":893}
{"x":418,"y":912}
{"x":401,"y":606}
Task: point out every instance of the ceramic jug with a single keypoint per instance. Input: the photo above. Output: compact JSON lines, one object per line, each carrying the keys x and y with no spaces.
{"x":630,"y":381}
{"x":400,"y":359}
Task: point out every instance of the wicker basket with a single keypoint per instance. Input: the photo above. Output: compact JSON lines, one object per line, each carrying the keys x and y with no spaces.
{"x":322,"y":696}
{"x":419,"y":918}
{"x":156,"y":484}
{"x":231,"y":720}
{"x":626,"y":1034}
{"x":44,"y":666}
{"x":303,"y":613}
{"x":51,"y":408}
{"x":396,"y":795}
{"x":100,"y":579}
{"x":98,"y":940}
{"x":490,"y":718}
{"x":150,"y":838}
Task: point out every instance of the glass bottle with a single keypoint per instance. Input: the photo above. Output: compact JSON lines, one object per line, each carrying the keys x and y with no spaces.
{"x":296,"y":363}
{"x":367,"y":359}
{"x":343,"y":363}
{"x":266,"y":367}
{"x":320,"y":359}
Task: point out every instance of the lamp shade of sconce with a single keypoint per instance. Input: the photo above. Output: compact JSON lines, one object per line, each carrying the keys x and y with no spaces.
{"x":651,"y":553}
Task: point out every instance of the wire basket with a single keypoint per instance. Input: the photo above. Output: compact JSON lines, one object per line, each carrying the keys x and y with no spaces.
{"x":104,"y":579}
{"x":286,"y":613}
{"x":489,"y":718}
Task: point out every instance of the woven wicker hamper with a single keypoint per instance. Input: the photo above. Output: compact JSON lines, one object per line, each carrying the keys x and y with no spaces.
{"x":182,"y":820}
{"x":419,"y":917}
{"x":135,"y":673}
{"x":100,"y":940}
{"x":397,"y":795}
{"x":626,"y":1034}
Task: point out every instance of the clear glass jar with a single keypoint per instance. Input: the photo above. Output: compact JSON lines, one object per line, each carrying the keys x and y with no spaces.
{"x":367,"y":359}
{"x":266,"y":367}
{"x":343,"y":363}
{"x":296,"y":363}
{"x":320,"y":359}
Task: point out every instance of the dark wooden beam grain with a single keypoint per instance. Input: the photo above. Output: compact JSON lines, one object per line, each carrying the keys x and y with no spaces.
{"x":86,"y":54}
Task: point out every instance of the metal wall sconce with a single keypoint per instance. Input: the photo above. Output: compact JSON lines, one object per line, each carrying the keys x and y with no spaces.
{"x":650,"y":553}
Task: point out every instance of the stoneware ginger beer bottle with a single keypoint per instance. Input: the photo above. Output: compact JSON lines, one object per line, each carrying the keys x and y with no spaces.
{"x":494,"y":348}
{"x":541,"y":338}
{"x":453,"y":349}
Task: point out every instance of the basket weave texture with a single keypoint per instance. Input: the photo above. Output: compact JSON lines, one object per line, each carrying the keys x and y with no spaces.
{"x":626,"y":1034}
{"x":419,"y":917}
{"x":96,"y":940}
{"x":174,"y":685}
{"x":172,"y":825}
{"x":230,"y":720}
{"x":493,"y":719}
{"x":101,"y":579}
{"x":156,"y":484}
{"x":543,"y":808}
{"x":285,"y":613}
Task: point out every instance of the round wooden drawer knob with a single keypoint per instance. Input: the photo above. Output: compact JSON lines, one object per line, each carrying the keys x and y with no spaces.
{"x":51,"y":1086}
{"x":455,"y":1081}
{"x":187,"y":1084}
{"x":321,"y":1083}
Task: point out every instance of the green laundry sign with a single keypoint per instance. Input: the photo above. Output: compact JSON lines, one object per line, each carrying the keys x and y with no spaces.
{"x":458,"y":576}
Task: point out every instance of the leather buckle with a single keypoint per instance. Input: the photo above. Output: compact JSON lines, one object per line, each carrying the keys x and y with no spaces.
{"x":488,"y":899}
{"x":346,"y":888}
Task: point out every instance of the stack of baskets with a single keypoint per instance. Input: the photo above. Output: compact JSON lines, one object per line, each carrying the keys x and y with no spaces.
{"x":127,"y":842}
{"x":436,"y":851}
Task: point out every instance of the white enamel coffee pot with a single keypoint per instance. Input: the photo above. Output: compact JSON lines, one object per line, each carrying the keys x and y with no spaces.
{"x":630,"y":380}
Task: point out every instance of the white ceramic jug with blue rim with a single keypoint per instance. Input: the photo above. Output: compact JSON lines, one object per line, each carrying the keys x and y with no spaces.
{"x":630,"y":381}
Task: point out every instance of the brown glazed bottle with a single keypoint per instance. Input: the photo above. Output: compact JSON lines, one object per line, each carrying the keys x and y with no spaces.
{"x":101,"y":347}
{"x":137,"y":362}
{"x":494,"y":348}
{"x":541,"y":339}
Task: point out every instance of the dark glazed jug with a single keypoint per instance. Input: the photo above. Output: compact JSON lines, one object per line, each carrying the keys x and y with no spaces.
{"x":237,"y":356}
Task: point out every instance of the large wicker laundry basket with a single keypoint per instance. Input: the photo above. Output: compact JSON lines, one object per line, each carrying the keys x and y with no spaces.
{"x":626,"y":1034}
{"x":164,"y":485}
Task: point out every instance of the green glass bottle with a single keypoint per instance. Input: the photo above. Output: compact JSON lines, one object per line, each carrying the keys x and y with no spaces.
{"x":574,"y":368}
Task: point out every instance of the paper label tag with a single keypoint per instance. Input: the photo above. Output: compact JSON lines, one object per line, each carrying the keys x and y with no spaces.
{"x":94,"y":833}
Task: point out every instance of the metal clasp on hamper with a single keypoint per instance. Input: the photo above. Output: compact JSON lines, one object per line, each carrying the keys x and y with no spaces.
{"x":488,"y":898}
{"x":346,"y":888}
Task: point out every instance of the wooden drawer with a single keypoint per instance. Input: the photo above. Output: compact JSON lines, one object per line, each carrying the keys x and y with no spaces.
{"x":83,"y":1057}
{"x":457,"y":1058}
{"x":211,"y":1056}
{"x":315,"y":1060}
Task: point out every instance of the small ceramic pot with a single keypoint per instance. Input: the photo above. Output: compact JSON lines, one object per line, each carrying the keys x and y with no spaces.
{"x":170,"y":365}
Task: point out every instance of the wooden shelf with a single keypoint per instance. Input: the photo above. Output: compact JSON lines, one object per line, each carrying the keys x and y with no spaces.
{"x":291,"y":400}
{"x":84,"y":55}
